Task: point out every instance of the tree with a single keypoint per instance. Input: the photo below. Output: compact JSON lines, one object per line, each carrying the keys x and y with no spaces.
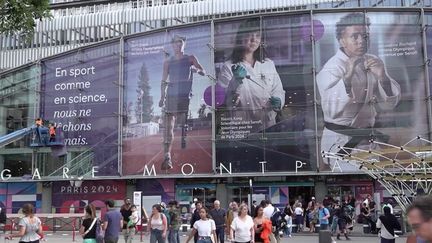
{"x":144,"y":103}
{"x":20,"y":15}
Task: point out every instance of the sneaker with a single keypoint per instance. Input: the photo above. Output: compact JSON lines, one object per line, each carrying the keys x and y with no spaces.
{"x":167,"y":163}
{"x":346,"y":237}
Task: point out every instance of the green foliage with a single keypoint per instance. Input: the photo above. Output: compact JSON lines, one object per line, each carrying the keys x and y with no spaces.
{"x":19,"y":16}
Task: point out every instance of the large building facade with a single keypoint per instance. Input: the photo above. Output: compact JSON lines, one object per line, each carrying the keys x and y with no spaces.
{"x":243,"y":97}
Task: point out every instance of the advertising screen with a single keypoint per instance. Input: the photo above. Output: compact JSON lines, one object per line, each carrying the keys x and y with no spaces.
{"x":80,"y":96}
{"x":371,"y":86}
{"x":265,"y":121}
{"x":167,"y":123}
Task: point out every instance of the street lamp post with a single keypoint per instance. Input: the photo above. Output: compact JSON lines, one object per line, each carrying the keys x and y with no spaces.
{"x":250,"y":196}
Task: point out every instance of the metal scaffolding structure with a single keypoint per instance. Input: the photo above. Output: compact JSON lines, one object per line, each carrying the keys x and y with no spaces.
{"x":405,"y":171}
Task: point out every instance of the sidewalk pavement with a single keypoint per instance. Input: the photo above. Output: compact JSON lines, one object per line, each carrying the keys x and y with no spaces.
{"x":66,"y":237}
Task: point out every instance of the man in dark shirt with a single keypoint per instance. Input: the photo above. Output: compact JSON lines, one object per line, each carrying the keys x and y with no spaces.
{"x":112,"y":223}
{"x":126,"y":212}
{"x":196,"y":217}
{"x":218,"y":214}
{"x":175,"y":222}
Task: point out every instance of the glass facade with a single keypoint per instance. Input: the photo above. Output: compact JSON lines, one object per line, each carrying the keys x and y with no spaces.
{"x":258,"y":95}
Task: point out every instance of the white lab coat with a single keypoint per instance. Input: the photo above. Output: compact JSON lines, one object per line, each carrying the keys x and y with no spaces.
{"x":355,"y":111}
{"x":254,"y":102}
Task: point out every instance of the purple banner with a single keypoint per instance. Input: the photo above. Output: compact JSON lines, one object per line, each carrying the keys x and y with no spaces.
{"x":81,"y":97}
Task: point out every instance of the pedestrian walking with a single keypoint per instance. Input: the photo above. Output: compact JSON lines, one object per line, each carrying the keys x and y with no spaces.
{"x":89,"y":224}
{"x":175,"y":222}
{"x":158,"y":225}
{"x":288,"y":211}
{"x":29,"y":227}
{"x":259,"y":221}
{"x":323,"y":216}
{"x":126,"y":212}
{"x":242,"y":227}
{"x":112,"y":223}
{"x":204,"y":228}
{"x":387,"y":224}
{"x":196,"y":216}
{"x":218,"y":214}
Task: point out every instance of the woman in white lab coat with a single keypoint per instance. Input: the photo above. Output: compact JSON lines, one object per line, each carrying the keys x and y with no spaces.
{"x":254,"y":91}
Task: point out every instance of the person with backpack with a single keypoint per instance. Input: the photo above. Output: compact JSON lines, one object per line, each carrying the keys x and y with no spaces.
{"x":174,"y":222}
{"x":276,"y":217}
{"x":89,"y":224}
{"x":157,"y":225}
{"x":387,"y":224}
{"x":196,"y":216}
{"x":323,"y":216}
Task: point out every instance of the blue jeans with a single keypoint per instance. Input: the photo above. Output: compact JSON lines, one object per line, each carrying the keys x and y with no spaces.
{"x":204,"y":240}
{"x":334,"y":224}
{"x":156,"y":236}
{"x":173,"y":236}
{"x":288,"y":227}
{"x":323,"y":226}
{"x":220,"y":234}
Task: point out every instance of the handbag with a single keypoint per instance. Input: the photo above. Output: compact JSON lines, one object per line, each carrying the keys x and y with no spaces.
{"x":100,"y":233}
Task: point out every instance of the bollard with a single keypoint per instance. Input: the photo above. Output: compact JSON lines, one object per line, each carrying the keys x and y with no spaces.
{"x":366,"y":229}
{"x":325,"y":237}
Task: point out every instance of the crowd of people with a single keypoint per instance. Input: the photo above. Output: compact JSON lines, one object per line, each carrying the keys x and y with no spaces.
{"x":263,"y":223}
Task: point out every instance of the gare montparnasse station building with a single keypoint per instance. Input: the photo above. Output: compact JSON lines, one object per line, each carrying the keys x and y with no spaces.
{"x":95,"y":70}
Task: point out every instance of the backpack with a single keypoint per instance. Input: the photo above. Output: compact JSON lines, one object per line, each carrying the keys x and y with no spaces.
{"x":174,"y":217}
{"x":278,"y":220}
{"x":100,"y":234}
{"x":167,"y":216}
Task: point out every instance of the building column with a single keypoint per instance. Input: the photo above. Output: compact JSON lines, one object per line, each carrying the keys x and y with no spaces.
{"x":320,"y":190}
{"x":222,"y":195}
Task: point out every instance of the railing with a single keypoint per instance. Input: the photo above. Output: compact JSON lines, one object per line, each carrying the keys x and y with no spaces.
{"x":82,"y":164}
{"x":50,"y":222}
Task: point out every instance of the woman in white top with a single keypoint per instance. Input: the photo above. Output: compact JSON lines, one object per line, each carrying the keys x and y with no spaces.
{"x":30,"y":227}
{"x":205,"y":227}
{"x":298,"y":211}
{"x":242,"y":227}
{"x":157,"y":225}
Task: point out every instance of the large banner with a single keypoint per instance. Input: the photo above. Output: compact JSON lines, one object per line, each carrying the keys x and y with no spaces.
{"x":80,"y":95}
{"x":371,"y":86}
{"x":265,"y":120}
{"x":167,"y":124}
{"x":71,"y":198}
{"x":14,"y":195}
